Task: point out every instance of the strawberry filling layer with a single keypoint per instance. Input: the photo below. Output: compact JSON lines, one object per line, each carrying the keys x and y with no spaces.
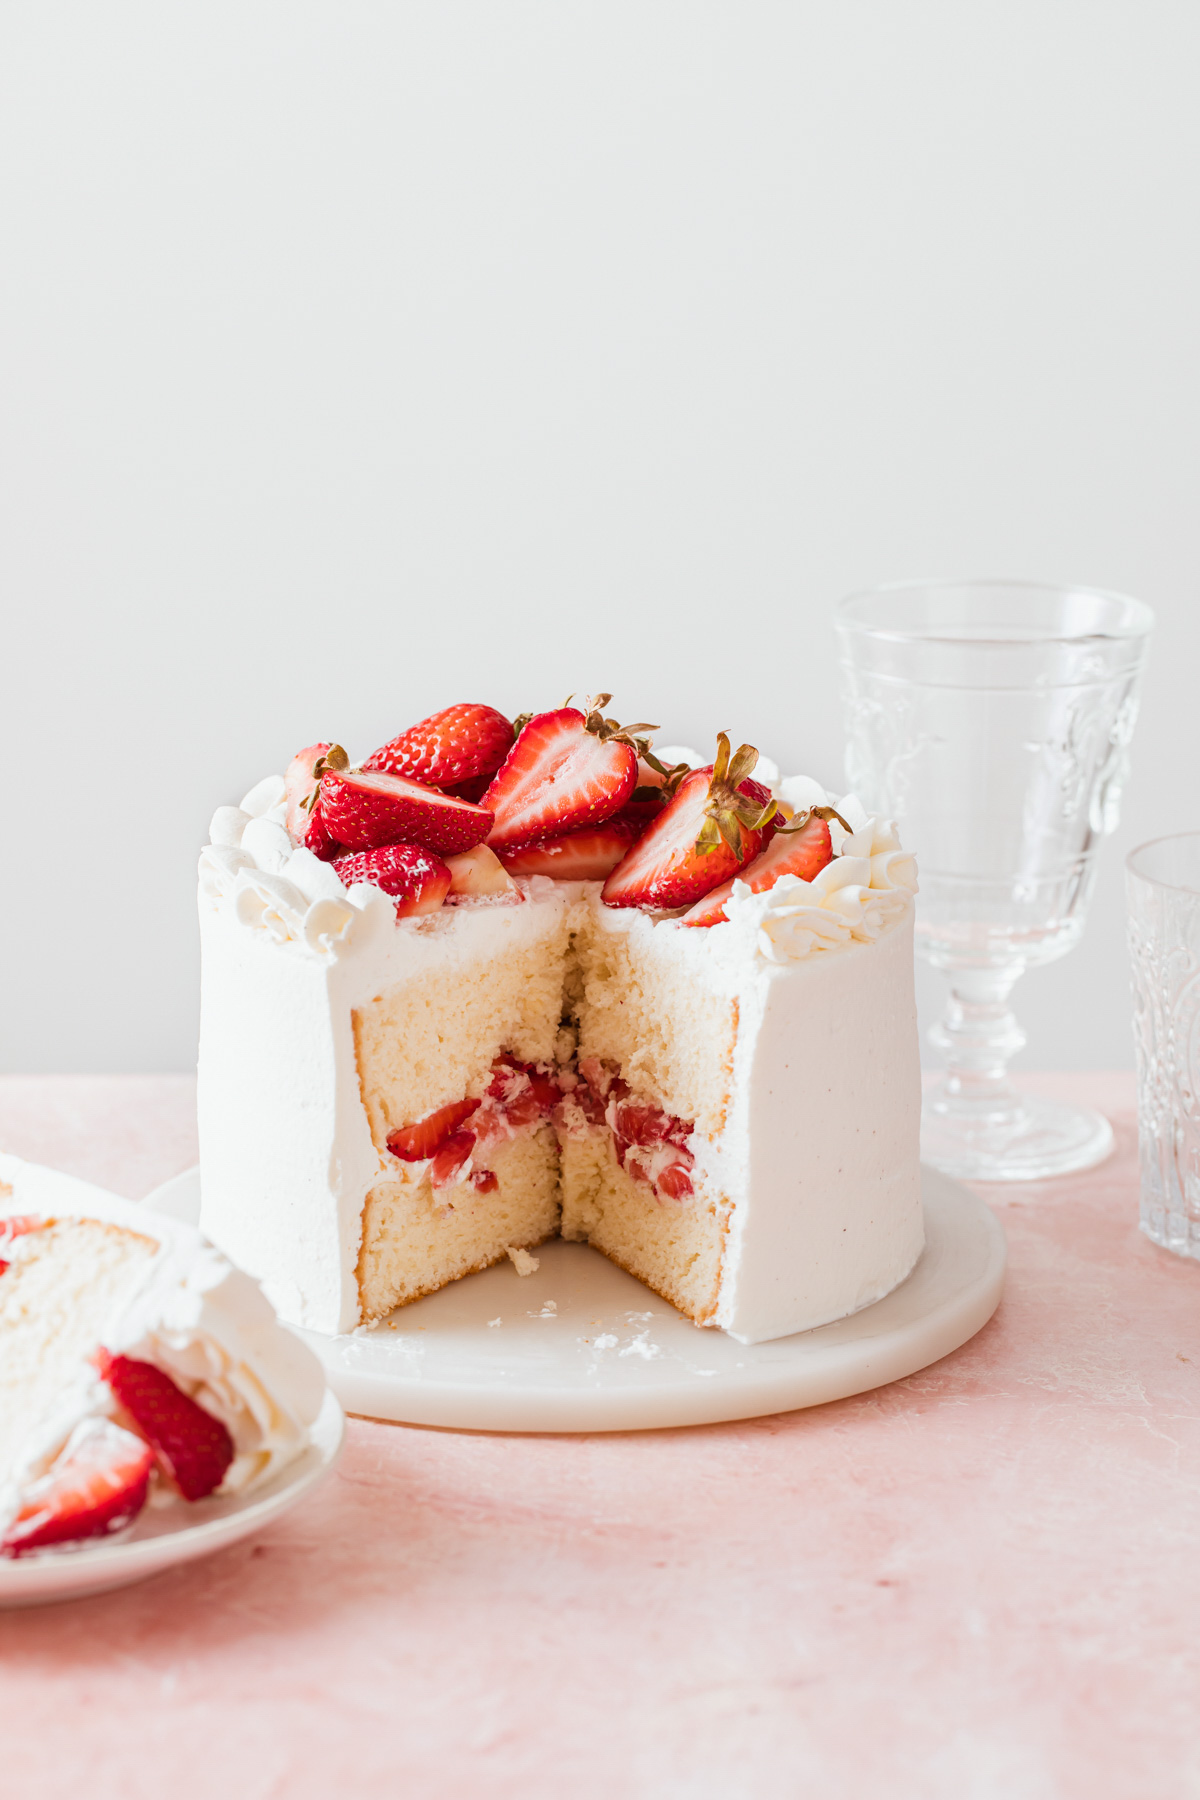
{"x":519,"y":1097}
{"x":651,"y":1145}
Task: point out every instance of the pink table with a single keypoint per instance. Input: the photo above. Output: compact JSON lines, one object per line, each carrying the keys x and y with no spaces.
{"x":978,"y":1584}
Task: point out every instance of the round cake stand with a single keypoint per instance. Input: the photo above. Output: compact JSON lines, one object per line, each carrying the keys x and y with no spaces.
{"x":581,"y":1346}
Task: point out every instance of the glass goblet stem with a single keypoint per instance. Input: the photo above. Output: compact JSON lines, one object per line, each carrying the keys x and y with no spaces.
{"x":978,"y":1035}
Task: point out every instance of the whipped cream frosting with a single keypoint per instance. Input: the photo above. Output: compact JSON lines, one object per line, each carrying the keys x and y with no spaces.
{"x":868,"y":886}
{"x":191,"y":1313}
{"x":284,"y":891}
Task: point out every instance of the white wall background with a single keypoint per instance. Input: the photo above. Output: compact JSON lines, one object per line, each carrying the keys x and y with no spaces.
{"x":360,"y":358}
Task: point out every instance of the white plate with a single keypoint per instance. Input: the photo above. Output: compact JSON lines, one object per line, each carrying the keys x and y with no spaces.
{"x":581,"y":1346}
{"x":172,"y":1534}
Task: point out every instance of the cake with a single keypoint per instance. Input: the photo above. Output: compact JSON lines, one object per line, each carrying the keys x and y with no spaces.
{"x":137,"y":1366}
{"x":503,"y":981}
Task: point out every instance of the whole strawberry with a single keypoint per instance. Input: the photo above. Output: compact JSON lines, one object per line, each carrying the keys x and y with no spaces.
{"x":459,"y":744}
{"x":712,"y":828}
{"x":417,"y":880}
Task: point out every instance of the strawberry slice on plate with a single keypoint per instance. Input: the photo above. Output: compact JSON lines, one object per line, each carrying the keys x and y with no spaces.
{"x":454,"y":747}
{"x":191,"y":1446}
{"x":587,"y":855}
{"x":365,"y":810}
{"x":567,"y":769}
{"x":97,"y":1486}
{"x":801,"y":848}
{"x":416,"y":879}
{"x":712,"y":828}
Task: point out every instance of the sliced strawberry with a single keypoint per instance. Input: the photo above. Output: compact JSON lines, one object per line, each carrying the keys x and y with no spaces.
{"x":97,"y":1486}
{"x":590,"y":1103}
{"x":637,"y":1123}
{"x":567,"y":770}
{"x":479,"y":874}
{"x":304,"y":821}
{"x":472,"y":790}
{"x":587,"y":855}
{"x":803,"y":851}
{"x":193,"y":1448}
{"x":450,"y":748}
{"x":675,"y":1182}
{"x":450,"y":1158}
{"x":656,"y":784}
{"x":366,"y":811}
{"x":484,"y":1181}
{"x":417,"y":879}
{"x":711,"y":829}
{"x":416,"y":1143}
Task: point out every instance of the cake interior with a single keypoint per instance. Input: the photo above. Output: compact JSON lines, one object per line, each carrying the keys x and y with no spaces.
{"x":599,"y":1078}
{"x":62,"y":1284}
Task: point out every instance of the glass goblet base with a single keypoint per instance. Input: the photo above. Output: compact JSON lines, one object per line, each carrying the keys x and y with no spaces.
{"x":1031,"y":1141}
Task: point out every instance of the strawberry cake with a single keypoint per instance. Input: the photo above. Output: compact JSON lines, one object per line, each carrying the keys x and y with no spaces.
{"x":503,"y":980}
{"x":137,"y":1367}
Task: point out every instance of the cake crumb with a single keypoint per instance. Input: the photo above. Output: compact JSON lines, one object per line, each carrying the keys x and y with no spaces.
{"x":495,"y":1322}
{"x":522,"y":1262}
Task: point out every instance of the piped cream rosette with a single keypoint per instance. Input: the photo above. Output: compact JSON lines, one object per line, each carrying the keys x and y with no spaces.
{"x":278,"y":887}
{"x":867,"y":887}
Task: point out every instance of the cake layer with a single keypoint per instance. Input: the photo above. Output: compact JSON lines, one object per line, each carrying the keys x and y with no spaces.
{"x":417,"y":1238}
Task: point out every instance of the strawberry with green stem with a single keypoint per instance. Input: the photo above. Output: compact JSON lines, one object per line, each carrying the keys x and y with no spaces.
{"x":567,"y":770}
{"x":713,"y":827}
{"x":801,"y":847}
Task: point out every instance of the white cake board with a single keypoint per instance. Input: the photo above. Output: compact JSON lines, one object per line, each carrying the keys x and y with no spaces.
{"x":581,"y":1346}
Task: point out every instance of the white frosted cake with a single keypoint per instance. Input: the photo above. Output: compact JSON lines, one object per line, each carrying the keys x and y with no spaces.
{"x":136,"y":1366}
{"x":449,"y":1011}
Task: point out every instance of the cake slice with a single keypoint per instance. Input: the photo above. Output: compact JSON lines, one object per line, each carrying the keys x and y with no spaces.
{"x":135,"y":1364}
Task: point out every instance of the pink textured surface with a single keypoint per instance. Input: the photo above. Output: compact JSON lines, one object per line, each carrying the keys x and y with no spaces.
{"x":977,"y":1584}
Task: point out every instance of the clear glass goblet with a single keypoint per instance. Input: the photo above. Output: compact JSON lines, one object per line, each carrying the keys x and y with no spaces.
{"x":992,"y":720}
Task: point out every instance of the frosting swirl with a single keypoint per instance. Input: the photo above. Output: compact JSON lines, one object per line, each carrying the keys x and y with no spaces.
{"x":867,"y":887}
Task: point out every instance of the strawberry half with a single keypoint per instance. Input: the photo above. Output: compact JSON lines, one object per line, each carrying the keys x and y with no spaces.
{"x":194,"y":1448}
{"x":304,"y":821}
{"x":711,"y":829}
{"x":365,"y":811}
{"x":801,"y":849}
{"x":97,"y":1487}
{"x":566,"y":770}
{"x":417,"y":880}
{"x":457,"y":745}
{"x":587,"y":855}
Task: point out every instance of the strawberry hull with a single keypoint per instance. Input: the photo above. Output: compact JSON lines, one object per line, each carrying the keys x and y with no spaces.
{"x":366,"y":811}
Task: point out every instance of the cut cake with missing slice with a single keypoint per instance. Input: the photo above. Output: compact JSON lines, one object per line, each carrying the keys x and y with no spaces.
{"x":731,"y":1114}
